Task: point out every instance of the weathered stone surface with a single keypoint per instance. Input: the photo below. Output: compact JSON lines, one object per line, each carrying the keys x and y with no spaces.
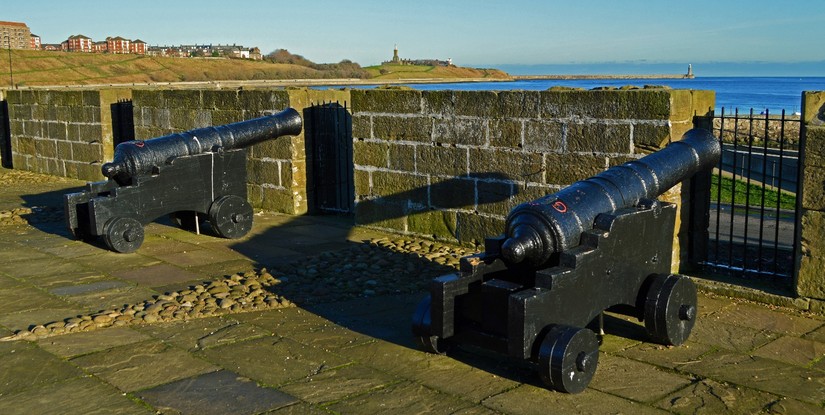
{"x":506,"y":132}
{"x":402,"y":128}
{"x":664,"y":356}
{"x":25,"y":366}
{"x":216,"y":393}
{"x":400,"y":187}
{"x":540,"y":135}
{"x":761,"y":318}
{"x":433,"y":223}
{"x":441,"y":160}
{"x":381,"y":214}
{"x":762,"y":374}
{"x":81,"y":395}
{"x":635,"y":380}
{"x":793,"y":350}
{"x":273,"y":360}
{"x":142,"y":365}
{"x":338,"y":384}
{"x":495,"y":198}
{"x":650,"y":136}
{"x":633,"y":104}
{"x":402,"y":399}
{"x":531,"y":399}
{"x":729,"y":337}
{"x":455,"y":193}
{"x":373,"y":154}
{"x":518,"y":165}
{"x":566,"y":169}
{"x":474,"y":228}
{"x":710,"y":397}
{"x":386,"y":101}
{"x":463,"y":131}
{"x":598,"y":138}
{"x":77,"y":344}
{"x":402,"y":157}
{"x":813,"y":104}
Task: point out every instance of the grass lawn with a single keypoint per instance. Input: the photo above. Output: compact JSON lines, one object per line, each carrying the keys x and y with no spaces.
{"x":785,"y":200}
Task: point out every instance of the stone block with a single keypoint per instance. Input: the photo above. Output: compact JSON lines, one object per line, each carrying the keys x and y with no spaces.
{"x":525,"y":193}
{"x":203,"y":118}
{"x":472,"y":228}
{"x":686,"y":104}
{"x":182,"y":119}
{"x":650,"y":136}
{"x":464,"y":131}
{"x":495,"y":198}
{"x":264,"y":172}
{"x":519,"y":104}
{"x":25,"y":145}
{"x":813,"y":182}
{"x":400,"y":187}
{"x":441,"y":160}
{"x":814,"y":147}
{"x":407,"y":128}
{"x":45,"y":148}
{"x":565,"y":169}
{"x":32,"y":128}
{"x":70,"y":98}
{"x":20,"y":112}
{"x":91,"y":98}
{"x":362,"y":126}
{"x":438,"y":224}
{"x":277,"y":200}
{"x":517,"y":165}
{"x":361,"y":180}
{"x":222,"y":117}
{"x":454,"y":193}
{"x":57,"y":130}
{"x":64,"y":150}
{"x":258,"y":100}
{"x":813,"y":107}
{"x":90,"y":133}
{"x":17,"y":127}
{"x":280,"y":148}
{"x":381,"y":214}
{"x":386,"y":101}
{"x":184,"y":99}
{"x":505,"y":132}
{"x":606,"y":104}
{"x":598,"y":138}
{"x":147,"y":98}
{"x":220,"y":99}
{"x":87,"y":153}
{"x":475,"y":104}
{"x":543,"y":135}
{"x":402,"y":157}
{"x":438,"y":102}
{"x":373,"y":154}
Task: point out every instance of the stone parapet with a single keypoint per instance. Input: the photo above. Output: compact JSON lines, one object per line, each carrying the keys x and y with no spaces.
{"x":810,"y":280}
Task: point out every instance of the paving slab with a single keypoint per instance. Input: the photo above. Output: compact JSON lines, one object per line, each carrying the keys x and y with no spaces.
{"x":710,"y":397}
{"x":204,"y":333}
{"x":76,"y":396}
{"x":401,"y":399}
{"x":24,"y":320}
{"x":793,"y":350}
{"x":338,"y":384}
{"x":713,"y":332}
{"x":529,"y":399}
{"x":13,"y":300}
{"x":635,"y":380}
{"x":763,"y":318}
{"x":215,"y":393}
{"x":767,"y":375}
{"x":25,"y":366}
{"x":273,"y":360}
{"x":159,"y":274}
{"x":78,"y":344}
{"x":142,"y":365}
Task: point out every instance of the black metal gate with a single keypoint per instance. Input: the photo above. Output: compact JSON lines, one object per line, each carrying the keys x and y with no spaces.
{"x":754,"y":199}
{"x":330,"y":182}
{"x":5,"y":135}
{"x":123,"y":124}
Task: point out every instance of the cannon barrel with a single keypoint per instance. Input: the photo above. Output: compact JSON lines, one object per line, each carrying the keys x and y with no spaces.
{"x":134,"y":158}
{"x":536,"y":230}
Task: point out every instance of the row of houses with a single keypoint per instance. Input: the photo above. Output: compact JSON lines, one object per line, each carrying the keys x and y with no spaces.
{"x":16,"y":35}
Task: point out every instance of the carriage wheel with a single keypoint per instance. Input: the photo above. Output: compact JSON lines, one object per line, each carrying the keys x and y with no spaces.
{"x":230,"y":216}
{"x":123,"y":234}
{"x":568,"y":357}
{"x":422,"y":328}
{"x":670,"y":309}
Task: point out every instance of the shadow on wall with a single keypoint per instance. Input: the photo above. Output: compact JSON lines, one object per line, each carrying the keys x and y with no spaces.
{"x":5,"y":135}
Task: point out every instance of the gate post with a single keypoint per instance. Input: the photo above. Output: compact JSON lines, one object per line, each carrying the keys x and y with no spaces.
{"x":810,"y":234}
{"x":699,"y":212}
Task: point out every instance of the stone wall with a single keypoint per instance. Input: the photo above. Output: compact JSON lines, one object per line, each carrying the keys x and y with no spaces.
{"x":811,"y":278}
{"x":451,"y":164}
{"x":62,"y":133}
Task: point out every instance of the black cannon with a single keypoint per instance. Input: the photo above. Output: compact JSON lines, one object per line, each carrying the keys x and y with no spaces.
{"x":604,"y":243}
{"x":190,"y":176}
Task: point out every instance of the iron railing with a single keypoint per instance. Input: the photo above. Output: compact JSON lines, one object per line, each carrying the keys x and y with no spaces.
{"x":753,"y":209}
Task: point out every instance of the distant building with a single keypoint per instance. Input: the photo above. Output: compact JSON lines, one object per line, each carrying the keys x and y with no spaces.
{"x":117,"y":45}
{"x":51,"y":46}
{"x":35,"y":42}
{"x":15,"y":35}
{"x":79,"y":43}
{"x":137,"y":47}
{"x":396,"y":60}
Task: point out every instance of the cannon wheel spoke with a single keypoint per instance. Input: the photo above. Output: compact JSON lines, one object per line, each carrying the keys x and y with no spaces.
{"x":568,"y":357}
{"x":670,"y":309}
{"x":123,"y":234}
{"x":230,"y":216}
{"x":421,"y":328}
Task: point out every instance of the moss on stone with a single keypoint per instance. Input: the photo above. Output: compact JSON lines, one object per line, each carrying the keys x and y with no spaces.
{"x":433,"y":223}
{"x":386,"y":101}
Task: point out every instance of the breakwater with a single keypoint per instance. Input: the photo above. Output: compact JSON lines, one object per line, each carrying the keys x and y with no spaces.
{"x":653,"y":76}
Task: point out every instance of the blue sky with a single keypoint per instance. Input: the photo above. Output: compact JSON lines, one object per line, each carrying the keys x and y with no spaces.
{"x":472,"y":33}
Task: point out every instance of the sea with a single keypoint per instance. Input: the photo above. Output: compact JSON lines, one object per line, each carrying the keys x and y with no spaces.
{"x":762,"y":94}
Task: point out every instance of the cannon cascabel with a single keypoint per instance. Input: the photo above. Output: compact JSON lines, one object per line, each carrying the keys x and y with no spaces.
{"x":134,"y":158}
{"x":537,"y":229}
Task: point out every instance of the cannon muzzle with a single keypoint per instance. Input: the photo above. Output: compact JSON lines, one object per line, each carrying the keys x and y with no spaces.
{"x":554,"y":223}
{"x":134,"y":158}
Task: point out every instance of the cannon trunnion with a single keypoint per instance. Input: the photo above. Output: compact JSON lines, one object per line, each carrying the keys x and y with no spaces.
{"x":532,"y":294}
{"x":191,"y":176}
